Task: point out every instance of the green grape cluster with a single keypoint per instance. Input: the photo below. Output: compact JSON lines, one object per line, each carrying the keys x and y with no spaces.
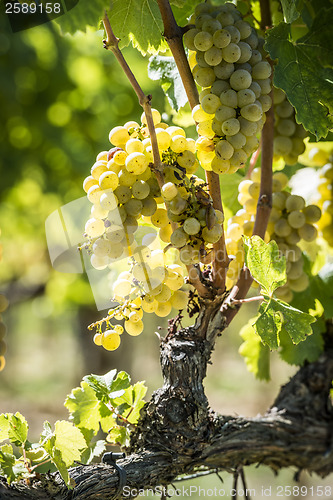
{"x":288,"y":134}
{"x":291,"y":221}
{"x":3,"y":329}
{"x":189,"y":207}
{"x":325,"y":189}
{"x":124,"y":191}
{"x":226,"y":62}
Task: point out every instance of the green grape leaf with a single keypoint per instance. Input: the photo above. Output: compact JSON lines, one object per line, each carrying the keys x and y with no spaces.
{"x":12,"y":468}
{"x":165,"y":69}
{"x":308,"y":350}
{"x":268,"y":325}
{"x":94,"y":449}
{"x":183,"y":9}
{"x":255,"y":353}
{"x":265,"y":263}
{"x":86,"y":411}
{"x":290,"y":10}
{"x":131,"y":402}
{"x":85,"y":13}
{"x":118,"y":435}
{"x":275,"y":314}
{"x":139,"y":22}
{"x":303,"y":67}
{"x":13,"y":427}
{"x":108,"y":386}
{"x":65,"y":445}
{"x":69,"y":440}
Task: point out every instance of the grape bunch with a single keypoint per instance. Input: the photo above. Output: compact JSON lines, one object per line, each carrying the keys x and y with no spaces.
{"x":325,"y":189}
{"x":226,"y":62}
{"x":3,"y":307}
{"x":291,"y":221}
{"x":189,"y":208}
{"x":124,"y":191}
{"x":288,"y":134}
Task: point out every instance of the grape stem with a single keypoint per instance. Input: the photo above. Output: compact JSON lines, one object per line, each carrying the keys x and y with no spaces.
{"x":250,"y":299}
{"x":265,"y":10}
{"x":173,"y":35}
{"x":112,"y":43}
{"x":253,"y":161}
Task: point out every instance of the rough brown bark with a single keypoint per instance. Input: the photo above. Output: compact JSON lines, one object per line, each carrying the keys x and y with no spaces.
{"x":178,"y":432}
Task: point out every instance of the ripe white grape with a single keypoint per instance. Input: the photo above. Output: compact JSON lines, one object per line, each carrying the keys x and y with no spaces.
{"x":119,"y":136}
{"x":231,"y":126}
{"x":252,"y":112}
{"x":210,"y":103}
{"x":122,"y":287}
{"x":133,"y":328}
{"x":224,"y":150}
{"x":221,"y":38}
{"x":179,"y":238}
{"x":296,"y":219}
{"x":240,"y":79}
{"x":136,"y":163}
{"x":94,"y":227}
{"x":308,"y":232}
{"x":213,"y":56}
{"x":110,"y":340}
{"x":261,"y":70}
{"x":140,"y":189}
{"x":229,"y":98}
{"x":312,"y":213}
{"x":231,"y":53}
{"x":192,"y":226}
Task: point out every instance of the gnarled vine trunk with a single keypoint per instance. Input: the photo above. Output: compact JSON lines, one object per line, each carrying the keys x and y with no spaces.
{"x":178,"y":432}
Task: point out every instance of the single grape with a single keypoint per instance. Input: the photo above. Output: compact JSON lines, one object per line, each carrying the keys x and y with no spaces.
{"x":308,"y":232}
{"x":296,"y":219}
{"x":192,"y":226}
{"x":312,"y":214}
{"x":295,"y":202}
{"x":240,"y":79}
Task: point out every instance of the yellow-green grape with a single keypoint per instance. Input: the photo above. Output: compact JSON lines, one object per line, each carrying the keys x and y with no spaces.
{"x":163,"y":309}
{"x":155,"y":114}
{"x":118,"y":329}
{"x":122,"y":288}
{"x":94,"y":227}
{"x":119,"y":136}
{"x":179,"y":299}
{"x":98,"y":339}
{"x":133,"y":328}
{"x":288,"y":135}
{"x":110,"y":340}
{"x":136,"y":163}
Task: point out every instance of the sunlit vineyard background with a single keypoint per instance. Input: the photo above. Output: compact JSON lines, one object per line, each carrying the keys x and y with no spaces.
{"x":59,"y":97}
